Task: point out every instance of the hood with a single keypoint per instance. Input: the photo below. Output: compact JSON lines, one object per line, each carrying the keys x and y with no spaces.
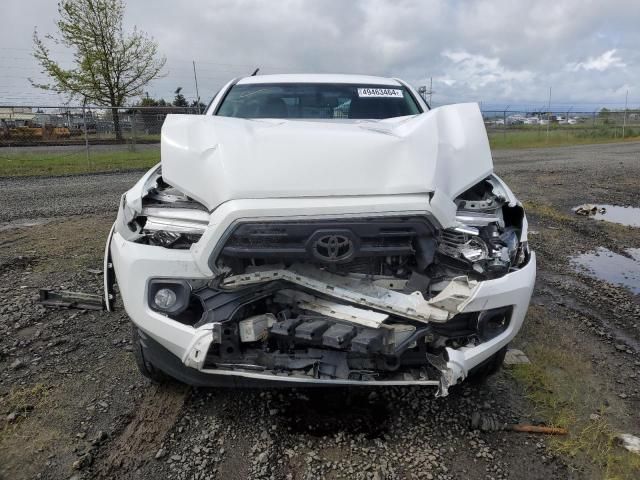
{"x":216,"y":159}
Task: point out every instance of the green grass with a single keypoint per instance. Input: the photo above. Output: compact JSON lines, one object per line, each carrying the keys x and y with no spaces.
{"x":64,"y":163}
{"x":565,"y":391}
{"x":58,"y":162}
{"x":559,"y":137}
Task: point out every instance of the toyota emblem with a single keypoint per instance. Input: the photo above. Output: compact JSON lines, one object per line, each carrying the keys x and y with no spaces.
{"x":333,"y":247}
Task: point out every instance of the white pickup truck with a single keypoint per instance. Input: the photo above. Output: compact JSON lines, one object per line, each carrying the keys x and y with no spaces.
{"x":321,"y":230}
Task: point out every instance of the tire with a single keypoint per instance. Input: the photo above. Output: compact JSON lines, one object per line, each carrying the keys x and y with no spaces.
{"x":146,"y":368}
{"x":492,"y":365}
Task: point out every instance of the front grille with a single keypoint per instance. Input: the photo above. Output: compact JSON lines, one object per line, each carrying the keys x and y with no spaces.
{"x":371,"y":237}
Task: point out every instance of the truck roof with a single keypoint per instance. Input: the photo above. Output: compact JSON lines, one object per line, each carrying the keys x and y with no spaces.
{"x":319,"y":78}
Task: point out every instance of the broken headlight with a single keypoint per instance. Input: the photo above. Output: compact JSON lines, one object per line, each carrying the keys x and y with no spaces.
{"x":490,"y":226}
{"x":172,"y":228}
{"x":155,"y":213}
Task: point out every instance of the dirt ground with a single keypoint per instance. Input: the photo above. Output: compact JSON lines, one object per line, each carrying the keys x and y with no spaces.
{"x":73,"y":405}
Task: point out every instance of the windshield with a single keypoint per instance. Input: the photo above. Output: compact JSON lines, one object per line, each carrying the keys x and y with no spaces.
{"x":318,"y":100}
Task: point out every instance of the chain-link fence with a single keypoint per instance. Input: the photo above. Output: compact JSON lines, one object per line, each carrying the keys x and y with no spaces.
{"x":80,"y":139}
{"x":538,"y":128}
{"x":58,"y":140}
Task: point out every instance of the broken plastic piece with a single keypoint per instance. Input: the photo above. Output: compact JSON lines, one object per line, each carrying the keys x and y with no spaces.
{"x":630,"y":442}
{"x":62,"y":298}
{"x":516,"y":357}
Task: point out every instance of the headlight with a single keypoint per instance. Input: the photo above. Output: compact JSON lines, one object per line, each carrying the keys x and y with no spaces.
{"x":487,"y":238}
{"x":168,"y":227}
{"x":156,"y":213}
{"x":474,"y":250}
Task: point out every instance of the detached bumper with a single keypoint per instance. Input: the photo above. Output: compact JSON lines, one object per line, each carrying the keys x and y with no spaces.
{"x":179,"y":349}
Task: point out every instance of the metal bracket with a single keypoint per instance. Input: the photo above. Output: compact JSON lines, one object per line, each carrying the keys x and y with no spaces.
{"x":82,"y":301}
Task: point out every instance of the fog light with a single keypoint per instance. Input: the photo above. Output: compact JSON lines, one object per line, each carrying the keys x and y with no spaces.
{"x":492,"y":323}
{"x":165,"y":298}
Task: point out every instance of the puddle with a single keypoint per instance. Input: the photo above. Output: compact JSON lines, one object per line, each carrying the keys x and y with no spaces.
{"x":24,"y":223}
{"x":612,"y":213}
{"x":611,"y":267}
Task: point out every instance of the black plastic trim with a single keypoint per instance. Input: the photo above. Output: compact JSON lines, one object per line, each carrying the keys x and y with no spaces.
{"x":378,"y":228}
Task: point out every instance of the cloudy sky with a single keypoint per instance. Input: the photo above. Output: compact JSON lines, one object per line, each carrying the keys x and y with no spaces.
{"x":499,"y":52}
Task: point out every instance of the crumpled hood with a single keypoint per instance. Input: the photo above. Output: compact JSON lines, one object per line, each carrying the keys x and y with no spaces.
{"x":215,"y":159}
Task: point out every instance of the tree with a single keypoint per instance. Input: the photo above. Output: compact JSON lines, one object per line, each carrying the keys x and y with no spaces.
{"x":151,"y":102}
{"x":179,"y":100}
{"x":147,"y":102}
{"x":110,"y":66}
{"x":199,"y":106}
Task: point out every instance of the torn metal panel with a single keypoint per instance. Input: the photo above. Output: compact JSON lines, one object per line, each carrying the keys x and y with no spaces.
{"x":413,"y":306}
{"x":367,"y":318}
{"x":62,"y":298}
{"x":448,"y":376}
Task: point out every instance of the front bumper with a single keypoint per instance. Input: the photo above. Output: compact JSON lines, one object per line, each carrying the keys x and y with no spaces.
{"x":179,"y":349}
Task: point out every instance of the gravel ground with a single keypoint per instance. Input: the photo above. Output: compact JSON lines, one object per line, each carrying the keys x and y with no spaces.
{"x":73,"y":405}
{"x":26,"y":198}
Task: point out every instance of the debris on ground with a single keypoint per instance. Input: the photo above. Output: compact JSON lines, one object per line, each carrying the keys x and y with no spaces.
{"x":516,"y":357}
{"x":487,"y":423}
{"x":630,"y":442}
{"x":588,"y":209}
{"x":65,"y":299}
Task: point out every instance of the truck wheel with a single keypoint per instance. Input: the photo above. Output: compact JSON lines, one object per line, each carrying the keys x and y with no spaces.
{"x":147,"y":369}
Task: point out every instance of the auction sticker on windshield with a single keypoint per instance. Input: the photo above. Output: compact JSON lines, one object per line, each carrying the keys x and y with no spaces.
{"x":380,"y":92}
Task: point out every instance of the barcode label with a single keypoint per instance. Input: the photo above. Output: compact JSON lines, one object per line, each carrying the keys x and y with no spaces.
{"x":380,"y":92}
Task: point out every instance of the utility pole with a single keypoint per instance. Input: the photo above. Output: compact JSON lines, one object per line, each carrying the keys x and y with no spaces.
{"x":422,"y":90}
{"x":195,"y":76}
{"x":548,"y":114}
{"x":624,"y":119}
{"x":86,"y":138}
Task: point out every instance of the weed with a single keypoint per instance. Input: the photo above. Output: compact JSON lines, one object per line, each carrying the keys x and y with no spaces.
{"x":560,"y":385}
{"x":21,"y":401}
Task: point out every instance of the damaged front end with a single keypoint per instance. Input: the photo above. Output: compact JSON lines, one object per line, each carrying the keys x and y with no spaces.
{"x":235,"y":278}
{"x":376,"y":301}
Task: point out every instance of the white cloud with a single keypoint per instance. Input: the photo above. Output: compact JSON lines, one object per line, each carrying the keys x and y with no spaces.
{"x":601,"y":63}
{"x":478,"y":71}
{"x":489,"y":50}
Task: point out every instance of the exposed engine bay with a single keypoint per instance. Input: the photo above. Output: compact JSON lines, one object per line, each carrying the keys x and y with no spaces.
{"x":373,"y":298}
{"x":378,"y":249}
